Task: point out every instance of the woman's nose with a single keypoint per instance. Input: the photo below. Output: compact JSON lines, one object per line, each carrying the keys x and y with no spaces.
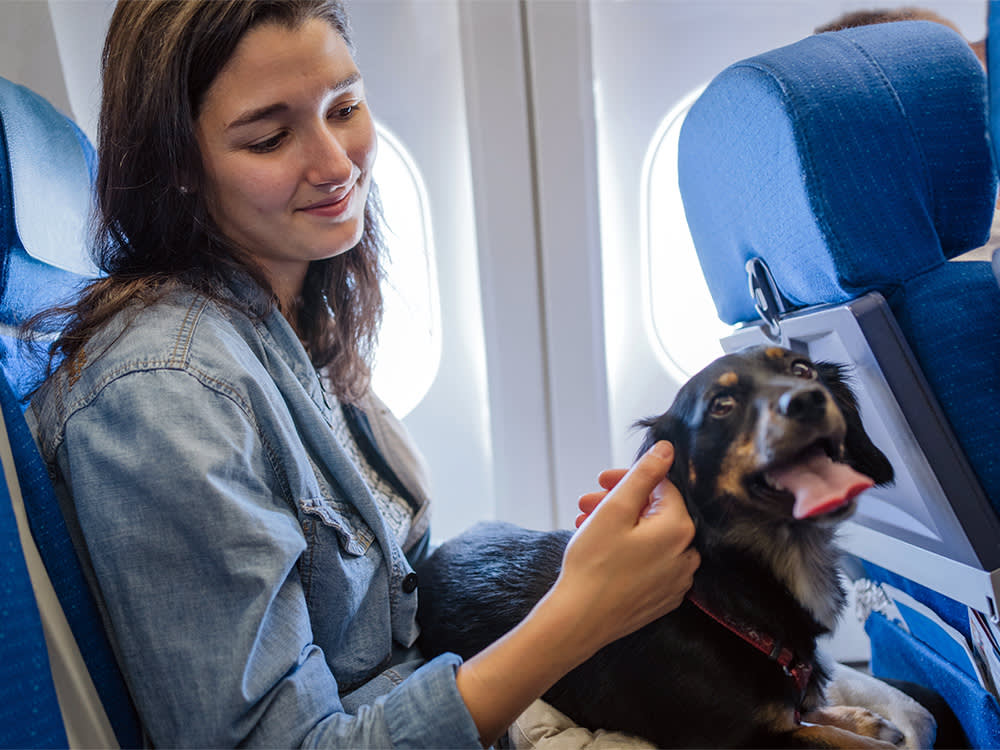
{"x":327,"y":160}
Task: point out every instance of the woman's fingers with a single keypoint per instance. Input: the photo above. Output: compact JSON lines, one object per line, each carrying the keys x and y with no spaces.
{"x":631,"y":492}
{"x":632,"y":559}
{"x":608,"y":480}
{"x":610,"y":477}
{"x":587,"y":503}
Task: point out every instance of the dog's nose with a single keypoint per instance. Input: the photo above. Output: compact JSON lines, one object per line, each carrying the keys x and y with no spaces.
{"x":803,"y":404}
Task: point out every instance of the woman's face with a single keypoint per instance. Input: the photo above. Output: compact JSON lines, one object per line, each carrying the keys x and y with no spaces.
{"x":288,"y":144}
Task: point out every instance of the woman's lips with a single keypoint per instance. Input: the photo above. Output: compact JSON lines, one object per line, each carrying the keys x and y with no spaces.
{"x":330,"y":207}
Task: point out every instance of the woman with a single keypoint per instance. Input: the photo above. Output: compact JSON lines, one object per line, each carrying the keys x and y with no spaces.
{"x":249,"y":508}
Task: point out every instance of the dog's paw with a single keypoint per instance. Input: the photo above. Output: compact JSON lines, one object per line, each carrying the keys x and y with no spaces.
{"x":851,"y":687}
{"x":871,"y":724}
{"x":858,"y":720}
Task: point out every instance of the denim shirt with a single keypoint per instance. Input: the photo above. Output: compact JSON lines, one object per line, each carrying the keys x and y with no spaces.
{"x":248,"y":582}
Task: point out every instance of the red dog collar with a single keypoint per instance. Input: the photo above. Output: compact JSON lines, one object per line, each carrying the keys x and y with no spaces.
{"x":798,"y":670}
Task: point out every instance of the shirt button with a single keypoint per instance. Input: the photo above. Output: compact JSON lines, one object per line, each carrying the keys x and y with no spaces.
{"x":410,"y":583}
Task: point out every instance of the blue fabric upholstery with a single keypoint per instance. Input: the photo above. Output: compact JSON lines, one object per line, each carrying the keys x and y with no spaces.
{"x":46,"y":175}
{"x":53,"y":541}
{"x":858,"y":161}
{"x":29,"y":713}
{"x":828,"y":158}
{"x":900,"y":656}
{"x":951,"y":318}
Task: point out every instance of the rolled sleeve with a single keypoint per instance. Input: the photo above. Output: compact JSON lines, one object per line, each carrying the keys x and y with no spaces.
{"x":407,"y":716}
{"x":424,"y":711}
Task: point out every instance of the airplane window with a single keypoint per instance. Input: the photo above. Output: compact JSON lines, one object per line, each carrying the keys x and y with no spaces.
{"x":686,"y":328}
{"x":409,"y":349}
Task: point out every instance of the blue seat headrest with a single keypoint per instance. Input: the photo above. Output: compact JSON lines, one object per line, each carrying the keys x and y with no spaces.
{"x":850,"y":161}
{"x":50,"y":165}
{"x":46,"y":178}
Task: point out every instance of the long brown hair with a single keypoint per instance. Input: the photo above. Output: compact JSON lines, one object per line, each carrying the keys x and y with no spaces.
{"x":152,"y":226}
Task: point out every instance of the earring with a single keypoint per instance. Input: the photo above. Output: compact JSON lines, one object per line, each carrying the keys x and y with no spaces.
{"x":184,"y":189}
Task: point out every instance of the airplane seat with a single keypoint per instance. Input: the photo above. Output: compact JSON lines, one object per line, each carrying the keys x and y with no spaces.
{"x":46,"y":175}
{"x":828,"y":185}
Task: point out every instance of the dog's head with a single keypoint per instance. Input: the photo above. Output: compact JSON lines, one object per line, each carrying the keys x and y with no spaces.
{"x":768,"y":435}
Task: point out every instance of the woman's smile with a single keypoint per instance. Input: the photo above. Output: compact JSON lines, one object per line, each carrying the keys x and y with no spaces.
{"x":332,"y":207}
{"x":288,"y":146}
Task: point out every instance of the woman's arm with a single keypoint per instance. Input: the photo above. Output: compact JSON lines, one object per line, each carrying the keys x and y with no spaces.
{"x":629,"y":563}
{"x":197,"y":552}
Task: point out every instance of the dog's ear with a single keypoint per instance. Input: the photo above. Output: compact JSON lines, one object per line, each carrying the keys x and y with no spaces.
{"x":861,"y":451}
{"x":668,"y":427}
{"x":652,"y":432}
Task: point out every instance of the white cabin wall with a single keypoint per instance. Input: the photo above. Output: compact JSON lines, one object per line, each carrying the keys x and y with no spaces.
{"x":498,"y":106}
{"x":558,"y":48}
{"x":80,"y":27}
{"x":29,"y":54}
{"x":410,"y":54}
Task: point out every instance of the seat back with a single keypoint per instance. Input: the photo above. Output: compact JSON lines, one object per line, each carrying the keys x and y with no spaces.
{"x":46,"y":174}
{"x":29,"y":711}
{"x":854,"y":166}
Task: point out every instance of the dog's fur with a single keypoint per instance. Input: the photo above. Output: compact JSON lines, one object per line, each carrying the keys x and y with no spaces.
{"x":686,"y":680}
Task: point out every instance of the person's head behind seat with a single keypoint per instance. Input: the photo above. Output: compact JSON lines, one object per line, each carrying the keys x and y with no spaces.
{"x":855,"y":18}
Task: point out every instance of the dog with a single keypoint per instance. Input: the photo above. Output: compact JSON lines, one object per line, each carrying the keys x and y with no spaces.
{"x":770,"y":455}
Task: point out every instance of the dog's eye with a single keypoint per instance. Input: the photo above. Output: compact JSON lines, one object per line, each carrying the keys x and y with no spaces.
{"x":722,"y":405}
{"x":801,"y":369}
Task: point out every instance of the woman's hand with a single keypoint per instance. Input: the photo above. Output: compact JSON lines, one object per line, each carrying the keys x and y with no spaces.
{"x":607,"y":479}
{"x":631,"y":560}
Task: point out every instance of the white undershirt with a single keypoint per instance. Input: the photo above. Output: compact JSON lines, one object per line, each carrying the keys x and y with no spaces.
{"x":394,"y":509}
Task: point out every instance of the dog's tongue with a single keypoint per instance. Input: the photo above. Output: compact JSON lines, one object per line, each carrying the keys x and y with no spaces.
{"x":819,"y":484}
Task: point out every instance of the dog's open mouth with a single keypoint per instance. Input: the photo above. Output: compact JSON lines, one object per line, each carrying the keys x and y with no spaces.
{"x":819,"y":484}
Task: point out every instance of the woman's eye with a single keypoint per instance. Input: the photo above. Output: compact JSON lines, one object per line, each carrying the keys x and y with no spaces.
{"x":345,"y":112}
{"x":721,"y":406}
{"x":266,"y":146}
{"x":804,"y":370}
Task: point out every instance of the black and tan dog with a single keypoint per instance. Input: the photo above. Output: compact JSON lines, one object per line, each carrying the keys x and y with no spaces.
{"x":770,"y":454}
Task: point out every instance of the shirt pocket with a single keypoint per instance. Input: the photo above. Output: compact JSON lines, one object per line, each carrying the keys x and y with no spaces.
{"x":353,"y":535}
